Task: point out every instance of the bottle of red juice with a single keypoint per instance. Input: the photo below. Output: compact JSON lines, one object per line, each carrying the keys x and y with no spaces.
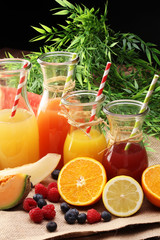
{"x":125,"y":155}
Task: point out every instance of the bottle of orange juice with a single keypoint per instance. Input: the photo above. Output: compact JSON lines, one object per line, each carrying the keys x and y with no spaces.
{"x":78,"y":106}
{"x":19,"y":138}
{"x":58,"y":72}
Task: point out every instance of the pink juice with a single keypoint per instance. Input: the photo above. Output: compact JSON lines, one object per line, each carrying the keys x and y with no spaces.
{"x":131,"y":162}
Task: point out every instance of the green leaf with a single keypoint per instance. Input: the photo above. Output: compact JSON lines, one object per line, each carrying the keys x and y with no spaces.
{"x":62,"y":12}
{"x":157,"y":89}
{"x":148,"y":55}
{"x":61,"y":2}
{"x":79,"y":77}
{"x":156,"y":50}
{"x":113,"y":44}
{"x":49,"y":38}
{"x":68,"y":4}
{"x":46,"y":28}
{"x":56,"y":39}
{"x":10,"y":55}
{"x":136,"y":84}
{"x":38,"y":38}
{"x":156,"y":58}
{"x":150,"y":44}
{"x":149,"y":149}
{"x":135,"y":46}
{"x":142,"y":46}
{"x":129,"y":45}
{"x":75,"y":41}
{"x":109,"y":55}
{"x":40,"y":30}
{"x":128,"y":91}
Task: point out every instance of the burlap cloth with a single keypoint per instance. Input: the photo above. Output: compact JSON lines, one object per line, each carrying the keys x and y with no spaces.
{"x":15,"y":223}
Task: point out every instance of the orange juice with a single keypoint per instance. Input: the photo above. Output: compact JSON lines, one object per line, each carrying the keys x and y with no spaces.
{"x":53,"y":129}
{"x":18,"y":138}
{"x":78,"y":144}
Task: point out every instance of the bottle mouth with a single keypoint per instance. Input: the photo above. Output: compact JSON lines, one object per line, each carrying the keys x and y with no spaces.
{"x":125,"y":108}
{"x":58,"y":58}
{"x":13,"y":65}
{"x":81,"y":98}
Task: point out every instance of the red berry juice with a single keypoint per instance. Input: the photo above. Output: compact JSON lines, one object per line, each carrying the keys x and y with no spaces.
{"x":131,"y":162}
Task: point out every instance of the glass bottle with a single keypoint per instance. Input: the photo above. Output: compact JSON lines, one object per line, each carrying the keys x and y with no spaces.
{"x":19,"y":141}
{"x":57,"y":68}
{"x":77,"y":106}
{"x":125,"y":155}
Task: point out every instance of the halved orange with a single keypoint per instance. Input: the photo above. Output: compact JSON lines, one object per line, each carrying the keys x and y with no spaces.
{"x":151,"y":184}
{"x":81,"y":181}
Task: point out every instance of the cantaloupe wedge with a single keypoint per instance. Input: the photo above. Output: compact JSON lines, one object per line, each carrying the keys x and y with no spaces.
{"x":38,"y":170}
{"x":13,"y":189}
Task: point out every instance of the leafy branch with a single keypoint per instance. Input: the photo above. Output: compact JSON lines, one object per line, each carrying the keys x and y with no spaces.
{"x":87,"y":32}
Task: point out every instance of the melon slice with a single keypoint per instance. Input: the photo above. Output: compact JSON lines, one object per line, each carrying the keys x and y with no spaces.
{"x":38,"y":170}
{"x":13,"y":189}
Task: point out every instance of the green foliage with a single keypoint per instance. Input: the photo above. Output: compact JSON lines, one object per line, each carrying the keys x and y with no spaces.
{"x":87,"y":32}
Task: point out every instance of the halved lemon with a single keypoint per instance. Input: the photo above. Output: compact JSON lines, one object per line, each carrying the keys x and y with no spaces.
{"x":122,"y":196}
{"x":81,"y":181}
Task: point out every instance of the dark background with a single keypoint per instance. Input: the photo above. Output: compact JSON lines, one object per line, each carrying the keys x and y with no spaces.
{"x":16,"y":18}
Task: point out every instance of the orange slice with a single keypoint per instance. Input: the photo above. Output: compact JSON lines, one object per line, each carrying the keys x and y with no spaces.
{"x":81,"y":181}
{"x":151,"y":184}
{"x":122,"y":196}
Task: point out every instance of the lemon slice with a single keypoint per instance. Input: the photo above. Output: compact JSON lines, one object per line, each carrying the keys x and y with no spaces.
{"x":122,"y":196}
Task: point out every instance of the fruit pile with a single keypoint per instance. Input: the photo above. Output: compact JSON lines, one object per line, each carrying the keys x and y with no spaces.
{"x":81,"y":182}
{"x":39,"y":209}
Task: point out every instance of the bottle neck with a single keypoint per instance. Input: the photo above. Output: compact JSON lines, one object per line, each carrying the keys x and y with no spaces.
{"x":56,"y":86}
{"x":79,"y":118}
{"x":121,"y":130}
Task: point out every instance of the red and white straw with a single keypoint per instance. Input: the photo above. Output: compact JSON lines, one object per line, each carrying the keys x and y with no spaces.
{"x":99,"y":94}
{"x":19,"y":90}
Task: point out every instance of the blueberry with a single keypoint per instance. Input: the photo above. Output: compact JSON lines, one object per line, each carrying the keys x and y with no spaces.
{"x":106,"y":216}
{"x":41,"y":203}
{"x":64,"y":207}
{"x":55,"y":174}
{"x":51,"y":226}
{"x":70,"y":216}
{"x":75,"y":211}
{"x":81,"y":218}
{"x":37,"y":196}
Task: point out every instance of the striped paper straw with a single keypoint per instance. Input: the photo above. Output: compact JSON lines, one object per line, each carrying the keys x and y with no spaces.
{"x":69,"y":76}
{"x":99,"y":94}
{"x":143,"y":108}
{"x":19,"y":89}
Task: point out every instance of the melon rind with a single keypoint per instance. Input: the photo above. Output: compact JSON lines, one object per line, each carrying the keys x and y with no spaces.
{"x":26,"y":187}
{"x":38,"y":170}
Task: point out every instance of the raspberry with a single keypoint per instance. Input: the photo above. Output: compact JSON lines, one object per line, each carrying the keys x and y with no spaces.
{"x":36,"y":215}
{"x":53,"y":195}
{"x":28,"y":204}
{"x":49,"y":211}
{"x":41,"y":189}
{"x":51,"y":185}
{"x":93,"y":216}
